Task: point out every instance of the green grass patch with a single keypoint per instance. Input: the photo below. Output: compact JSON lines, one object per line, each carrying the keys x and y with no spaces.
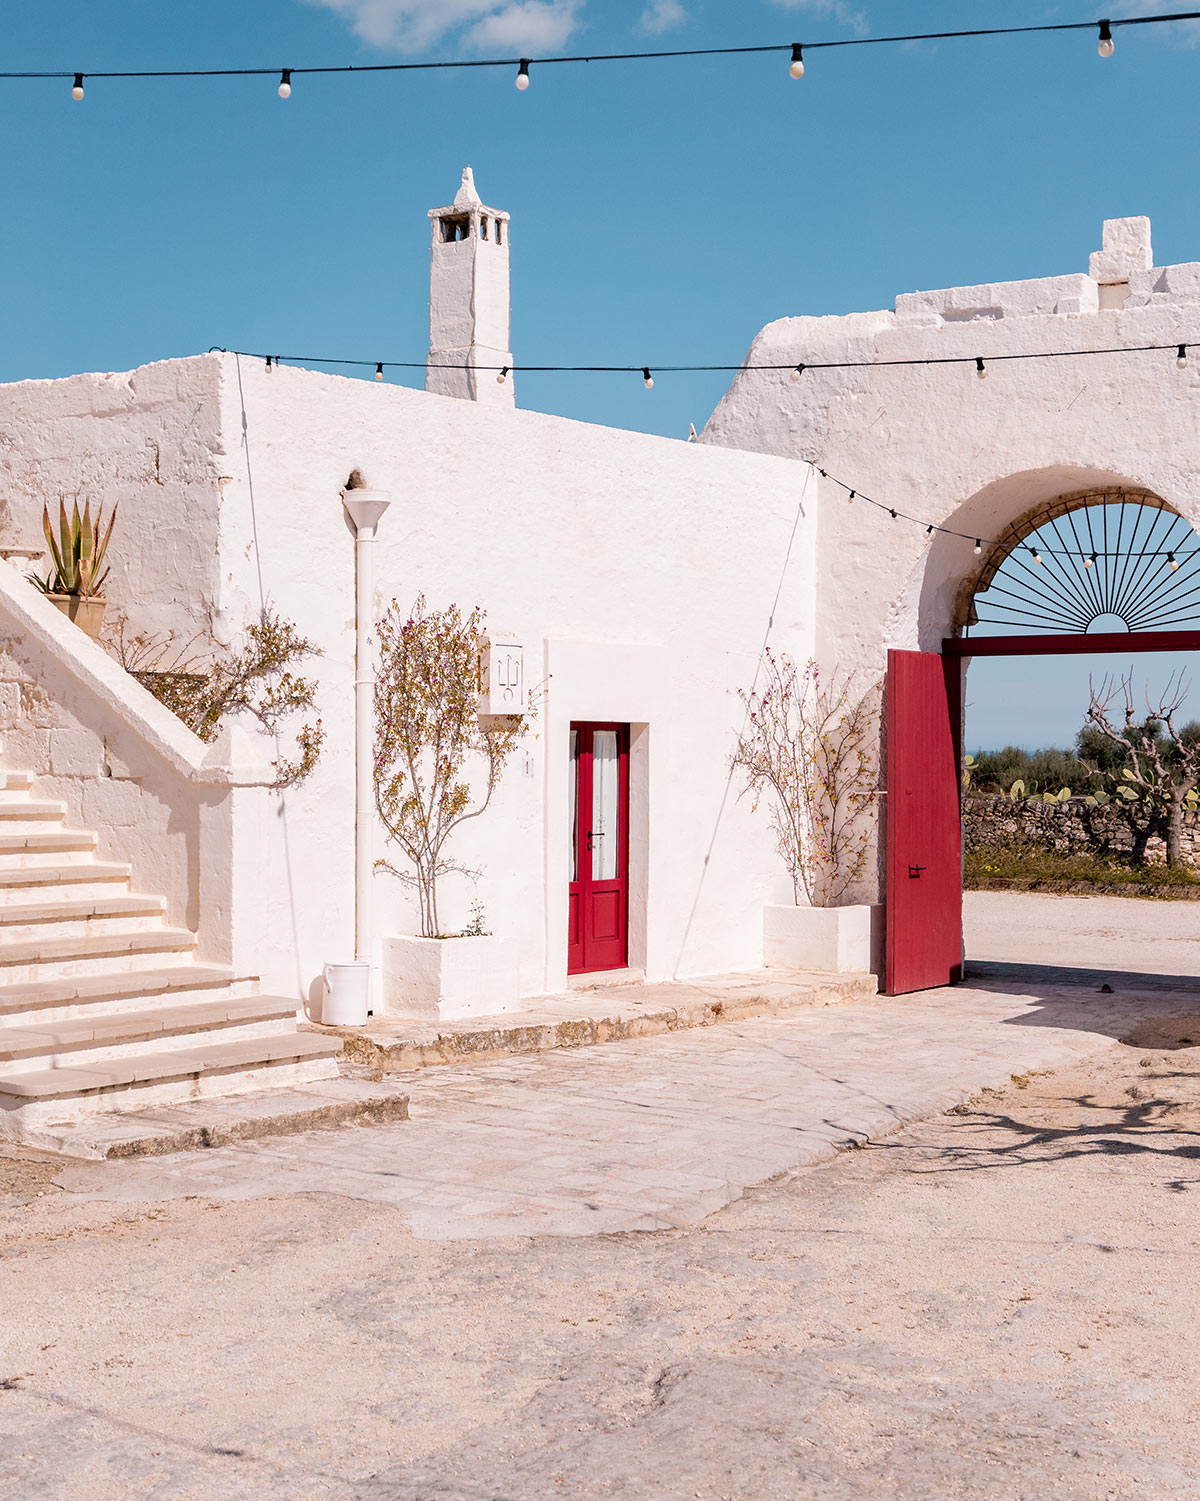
{"x":1029,"y":863}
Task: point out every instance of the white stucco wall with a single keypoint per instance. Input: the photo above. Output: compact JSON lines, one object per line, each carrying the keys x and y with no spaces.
{"x":145,"y":441}
{"x":940,"y":444}
{"x":639,"y":574}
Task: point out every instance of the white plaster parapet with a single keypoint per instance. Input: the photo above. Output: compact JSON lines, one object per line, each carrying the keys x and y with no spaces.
{"x":232,"y":761}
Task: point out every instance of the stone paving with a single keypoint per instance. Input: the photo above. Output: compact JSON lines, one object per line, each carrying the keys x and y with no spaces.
{"x":660,"y":1132}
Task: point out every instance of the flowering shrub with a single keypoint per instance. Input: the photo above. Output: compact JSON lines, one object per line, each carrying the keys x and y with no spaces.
{"x":810,"y":745}
{"x":428,"y":733}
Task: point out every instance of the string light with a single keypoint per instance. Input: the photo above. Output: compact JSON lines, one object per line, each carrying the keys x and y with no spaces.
{"x":648,"y":381}
{"x":794,"y":371}
{"x":1181,"y":357}
{"x":1172,"y":562}
{"x":1106,"y":48}
{"x":77,"y":87}
{"x":285,"y":84}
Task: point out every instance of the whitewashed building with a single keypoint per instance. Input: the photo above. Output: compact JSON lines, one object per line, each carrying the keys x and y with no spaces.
{"x":638,"y":576}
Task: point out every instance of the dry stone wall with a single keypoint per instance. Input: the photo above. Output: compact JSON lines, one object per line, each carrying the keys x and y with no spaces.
{"x":1129,"y":831}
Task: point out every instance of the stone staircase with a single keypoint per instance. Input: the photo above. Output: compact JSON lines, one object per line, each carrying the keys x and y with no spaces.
{"x":103,"y":1005}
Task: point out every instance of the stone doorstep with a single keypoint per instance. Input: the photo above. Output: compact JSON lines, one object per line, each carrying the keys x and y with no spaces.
{"x":583,"y":1017}
{"x":222,"y":1121}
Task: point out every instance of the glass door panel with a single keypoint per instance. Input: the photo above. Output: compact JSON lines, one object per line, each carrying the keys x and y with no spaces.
{"x":606,"y":807}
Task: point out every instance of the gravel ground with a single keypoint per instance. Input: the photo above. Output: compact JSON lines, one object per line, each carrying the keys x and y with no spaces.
{"x":999,"y":1302}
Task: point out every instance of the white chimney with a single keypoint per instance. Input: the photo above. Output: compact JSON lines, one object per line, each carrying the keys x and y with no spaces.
{"x":469,"y":301}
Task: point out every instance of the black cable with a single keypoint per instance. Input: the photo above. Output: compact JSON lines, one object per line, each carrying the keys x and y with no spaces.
{"x":949,"y":359}
{"x":613,"y":57}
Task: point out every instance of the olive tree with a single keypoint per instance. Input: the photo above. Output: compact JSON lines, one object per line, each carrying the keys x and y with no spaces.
{"x":438,"y":762}
{"x":1160,"y":760}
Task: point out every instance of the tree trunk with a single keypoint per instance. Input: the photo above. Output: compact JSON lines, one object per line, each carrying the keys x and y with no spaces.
{"x":1174,"y":831}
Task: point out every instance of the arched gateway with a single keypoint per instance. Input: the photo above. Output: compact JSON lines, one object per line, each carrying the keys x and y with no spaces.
{"x":1097,"y":569}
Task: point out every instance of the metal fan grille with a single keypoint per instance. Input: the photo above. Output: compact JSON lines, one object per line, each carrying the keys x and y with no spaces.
{"x":1138,"y":564}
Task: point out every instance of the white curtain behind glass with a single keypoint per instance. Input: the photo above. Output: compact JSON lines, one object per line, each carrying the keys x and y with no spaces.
{"x":605,"y":810}
{"x":574,"y":820}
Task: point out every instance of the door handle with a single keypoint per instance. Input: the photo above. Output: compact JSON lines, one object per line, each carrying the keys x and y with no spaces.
{"x":914,"y":872}
{"x":594,"y":834}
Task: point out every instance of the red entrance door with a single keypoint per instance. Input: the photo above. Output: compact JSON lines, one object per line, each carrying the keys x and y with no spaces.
{"x":924,"y":828}
{"x":599,"y":918}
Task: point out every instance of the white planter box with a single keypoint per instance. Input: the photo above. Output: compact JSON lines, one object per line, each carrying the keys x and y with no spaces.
{"x":838,"y":940}
{"x":439,"y":979}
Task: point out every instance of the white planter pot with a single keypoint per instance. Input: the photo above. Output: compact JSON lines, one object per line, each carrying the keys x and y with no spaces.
{"x":440,"y":979}
{"x":838,"y":940}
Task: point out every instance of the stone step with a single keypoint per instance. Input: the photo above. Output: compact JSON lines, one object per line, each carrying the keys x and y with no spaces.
{"x":45,"y":998}
{"x":23,"y":844}
{"x":54,"y":874}
{"x":126,"y":1073}
{"x":195,"y":1124}
{"x":595,"y":1015}
{"x":34,"y":959}
{"x":26,"y":810}
{"x":79,"y":915}
{"x":16,"y":781}
{"x":55,"y":881}
{"x":113,"y":1029}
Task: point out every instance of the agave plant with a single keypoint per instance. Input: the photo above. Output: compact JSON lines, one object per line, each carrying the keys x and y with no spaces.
{"x":78,"y":551}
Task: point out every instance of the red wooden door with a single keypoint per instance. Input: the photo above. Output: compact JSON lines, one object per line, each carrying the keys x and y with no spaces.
{"x":924,"y":827}
{"x":599,"y":919}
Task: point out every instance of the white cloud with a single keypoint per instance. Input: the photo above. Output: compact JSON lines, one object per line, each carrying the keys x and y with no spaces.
{"x":839,"y":11}
{"x":528,"y":25}
{"x":662,"y":15}
{"x":415,"y":25}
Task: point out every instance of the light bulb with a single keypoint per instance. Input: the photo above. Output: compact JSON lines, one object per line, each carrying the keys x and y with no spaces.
{"x":77,"y":90}
{"x":523,"y":75}
{"x":647,"y":379}
{"x":1037,"y":557}
{"x":1107,"y":46}
{"x":1087,"y":562}
{"x":980,"y":368}
{"x":503,"y":376}
{"x":929,"y":530}
{"x":285,"y":84}
{"x":978,"y":546}
{"x":797,"y":68}
{"x":378,"y":372}
{"x":796,"y":373}
{"x":1181,"y":357}
{"x":893,"y":515}
{"x":1172,"y":562}
{"x":850,"y":497}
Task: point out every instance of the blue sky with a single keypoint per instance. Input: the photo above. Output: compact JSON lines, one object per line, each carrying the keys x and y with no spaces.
{"x":662,"y":212}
